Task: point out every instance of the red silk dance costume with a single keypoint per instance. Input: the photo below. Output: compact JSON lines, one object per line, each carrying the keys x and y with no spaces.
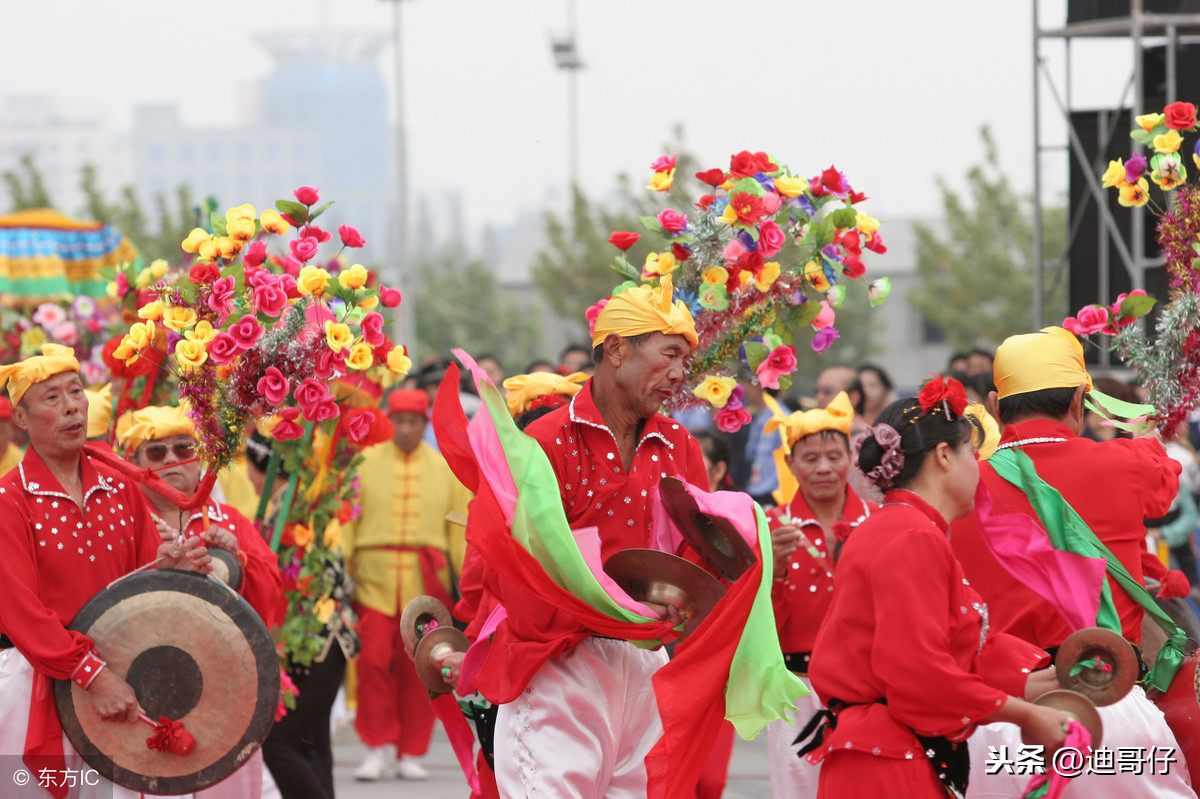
{"x":906,"y":646}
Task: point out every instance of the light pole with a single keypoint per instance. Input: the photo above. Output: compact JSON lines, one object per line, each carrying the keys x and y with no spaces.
{"x":405,"y":315}
{"x":566,"y":57}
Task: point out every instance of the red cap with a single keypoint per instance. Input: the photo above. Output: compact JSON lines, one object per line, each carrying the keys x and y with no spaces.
{"x":408,"y":401}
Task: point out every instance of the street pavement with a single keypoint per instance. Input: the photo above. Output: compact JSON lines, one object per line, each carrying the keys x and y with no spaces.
{"x":747,"y":771}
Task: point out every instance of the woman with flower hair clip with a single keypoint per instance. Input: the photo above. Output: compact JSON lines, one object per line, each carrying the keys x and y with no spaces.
{"x":904,"y":660}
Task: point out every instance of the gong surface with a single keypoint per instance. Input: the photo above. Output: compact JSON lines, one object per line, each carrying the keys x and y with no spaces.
{"x":1102,"y":688}
{"x":193,"y":651}
{"x":226,"y":567}
{"x":713,"y":537}
{"x":649,"y":575}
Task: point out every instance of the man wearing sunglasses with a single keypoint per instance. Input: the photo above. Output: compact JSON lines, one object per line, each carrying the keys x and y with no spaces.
{"x":69,"y":526}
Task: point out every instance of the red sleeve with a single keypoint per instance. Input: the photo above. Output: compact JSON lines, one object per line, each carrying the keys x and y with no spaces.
{"x":470,"y":579}
{"x":262,"y":584}
{"x":780,"y":600}
{"x":1157,"y":475}
{"x":148,"y":537}
{"x":694,"y":471}
{"x":1152,"y":567}
{"x":1006,"y":661}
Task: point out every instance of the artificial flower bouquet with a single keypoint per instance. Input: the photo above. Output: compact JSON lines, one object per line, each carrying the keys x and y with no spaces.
{"x":79,"y":322}
{"x":758,"y":257}
{"x":1167,"y":361}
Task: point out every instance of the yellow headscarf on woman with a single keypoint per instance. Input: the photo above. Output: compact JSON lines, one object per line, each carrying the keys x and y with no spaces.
{"x":1051,"y":358}
{"x":520,"y":390}
{"x":55,"y":359}
{"x":645,"y":310}
{"x":153,"y":422}
{"x":837,"y":416}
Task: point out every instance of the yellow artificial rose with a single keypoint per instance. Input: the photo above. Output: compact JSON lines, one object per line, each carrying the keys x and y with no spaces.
{"x":194,"y":239}
{"x":398,"y":361}
{"x":716,"y":276}
{"x":361,"y":356}
{"x":729,"y":215}
{"x":353,"y":278}
{"x":33,"y":339}
{"x":790,"y":187}
{"x":660,"y":263}
{"x":333,"y":534}
{"x":208,"y":250}
{"x":1114,"y":175}
{"x":190,"y":355}
{"x":1149,"y":122}
{"x":152,"y":310}
{"x":158,"y":268}
{"x":1135,"y":196}
{"x":715,"y":390}
{"x":338,"y":335}
{"x":142,"y":280}
{"x":368,"y":302}
{"x":767,"y":276}
{"x":228,"y":247}
{"x":312,"y":280}
{"x":272,"y":222}
{"x":240,"y":212}
{"x":662,"y":180}
{"x":727,"y":185}
{"x":125,"y":351}
{"x":1167,"y":142}
{"x":203,"y":333}
{"x":178,"y":318}
{"x":241,"y":229}
{"x":323,"y":610}
{"x":816,"y":275}
{"x":867,"y":225}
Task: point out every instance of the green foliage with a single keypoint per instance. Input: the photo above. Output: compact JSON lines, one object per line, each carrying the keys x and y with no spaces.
{"x":976,"y":267}
{"x":460,"y":304}
{"x":26,"y":189}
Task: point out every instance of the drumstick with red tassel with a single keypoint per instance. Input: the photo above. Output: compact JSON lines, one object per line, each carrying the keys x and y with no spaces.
{"x":169,"y":736}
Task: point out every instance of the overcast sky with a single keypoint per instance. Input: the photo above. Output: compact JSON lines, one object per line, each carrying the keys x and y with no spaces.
{"x":892,"y":92}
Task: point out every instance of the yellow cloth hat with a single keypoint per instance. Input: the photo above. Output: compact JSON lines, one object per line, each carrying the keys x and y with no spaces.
{"x":988,"y":437}
{"x":135,"y":428}
{"x":55,"y":359}
{"x":99,"y":410}
{"x":521,"y":390}
{"x":645,"y":310}
{"x":1051,"y":358}
{"x":838,"y":415}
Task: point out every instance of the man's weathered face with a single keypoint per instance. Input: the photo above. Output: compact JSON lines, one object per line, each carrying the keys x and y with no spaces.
{"x":647,"y":375}
{"x":54,"y":414}
{"x":821,"y":463}
{"x":164,"y":455}
{"x":408,"y":430}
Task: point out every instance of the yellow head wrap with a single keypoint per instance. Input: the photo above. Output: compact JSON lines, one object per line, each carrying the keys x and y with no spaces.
{"x":55,"y":359}
{"x":645,"y":310}
{"x":520,"y":390}
{"x":135,"y":428}
{"x":1052,"y":358}
{"x":99,"y":410}
{"x":838,"y":415}
{"x":989,"y":431}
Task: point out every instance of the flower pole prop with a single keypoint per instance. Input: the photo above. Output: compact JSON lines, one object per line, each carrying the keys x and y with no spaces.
{"x":756,"y":259}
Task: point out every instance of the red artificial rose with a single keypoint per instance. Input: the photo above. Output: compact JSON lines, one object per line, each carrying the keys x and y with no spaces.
{"x":324,"y":408}
{"x":831,"y":180}
{"x":680,"y":251}
{"x":305,"y":248}
{"x":771,"y":239}
{"x":713,"y":177}
{"x":255,"y":254}
{"x":372,"y":328}
{"x":743,"y":165}
{"x":1089,"y":319}
{"x":389,"y":297}
{"x":205,"y":273}
{"x":1180,"y":116}
{"x":705,"y":201}
{"x":350,"y":236}
{"x":748,"y":207}
{"x":223,"y":349}
{"x":938,"y":389}
{"x":875,"y":244}
{"x":270,"y":299}
{"x":246,"y":332}
{"x":310,"y":391}
{"x":623,"y":240}
{"x":765,"y":164}
{"x":851,"y":242}
{"x":852,"y":266}
{"x":672,"y":221}
{"x":856,"y":197}
{"x":320,"y":234}
{"x":307,"y":195}
{"x":273,"y":386}
{"x":730,"y":420}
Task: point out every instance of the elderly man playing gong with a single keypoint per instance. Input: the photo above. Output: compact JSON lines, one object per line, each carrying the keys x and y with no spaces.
{"x":69,"y":526}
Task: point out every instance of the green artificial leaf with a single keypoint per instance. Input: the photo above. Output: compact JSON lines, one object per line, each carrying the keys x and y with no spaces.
{"x":188,"y":291}
{"x":845,"y":218}
{"x":1142,"y":136}
{"x":237,"y":271}
{"x":1137,"y":306}
{"x":625,"y":269}
{"x":823,"y":232}
{"x":772,"y":341}
{"x":756,"y":353}
{"x":785,"y":382}
{"x":1196,"y":247}
{"x":652,"y":224}
{"x":748,"y":185}
{"x":297,"y":211}
{"x":320,"y":209}
{"x":785,"y":333}
{"x":217,"y":222}
{"x":806,"y":313}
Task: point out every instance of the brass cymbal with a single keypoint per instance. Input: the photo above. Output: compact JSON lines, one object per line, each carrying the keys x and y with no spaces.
{"x":434,"y":646}
{"x":713,"y":537}
{"x":1079,"y":708}
{"x":649,"y":575}
{"x":418,"y":615}
{"x":1104,"y":648}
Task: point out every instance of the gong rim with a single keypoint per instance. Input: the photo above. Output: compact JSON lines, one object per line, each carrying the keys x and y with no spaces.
{"x":425,"y":655}
{"x":227,"y":607}
{"x":1079,"y":706}
{"x":650,"y":575}
{"x":713,"y":537}
{"x":1102,"y":688}
{"x":226,"y":567}
{"x":422,"y":610}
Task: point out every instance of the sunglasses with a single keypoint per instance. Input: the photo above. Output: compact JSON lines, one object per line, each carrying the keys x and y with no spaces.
{"x":157,"y":453}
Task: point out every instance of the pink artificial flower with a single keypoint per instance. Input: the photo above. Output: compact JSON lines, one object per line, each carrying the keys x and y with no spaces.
{"x":771,"y":203}
{"x":320,"y":234}
{"x":825,"y":316}
{"x":389,"y":297}
{"x":672,"y":221}
{"x":1119,"y":321}
{"x":733,"y":252}
{"x":304,"y":249}
{"x":307,"y":195}
{"x":271,"y":299}
{"x":291,"y":266}
{"x":322,"y":409}
{"x":287,"y":284}
{"x":780,"y":361}
{"x":663,"y":163}
{"x":358,"y":426}
{"x":1090,"y":319}
{"x":310,"y":391}
{"x":66,"y":334}
{"x":286,"y":428}
{"x":372,"y":328}
{"x":222,"y":294}
{"x":223,"y":349}
{"x":323,"y":367}
{"x":771,"y":239}
{"x":735,"y":398}
{"x":246,"y":332}
{"x":824,"y":338}
{"x":49,"y":315}
{"x":350,"y":236}
{"x":594,"y":312}
{"x":255,"y":254}
{"x":730,"y":420}
{"x":273,"y":386}
{"x":256,"y":277}
{"x":122,"y":284}
{"x":875,"y":244}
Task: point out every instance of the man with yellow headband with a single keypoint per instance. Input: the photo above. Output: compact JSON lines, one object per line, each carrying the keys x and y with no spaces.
{"x":588,"y":717}
{"x":69,"y":526}
{"x":805,"y":533}
{"x":1041,"y":381}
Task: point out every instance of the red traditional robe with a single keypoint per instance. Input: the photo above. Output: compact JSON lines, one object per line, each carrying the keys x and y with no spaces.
{"x":262,"y":583}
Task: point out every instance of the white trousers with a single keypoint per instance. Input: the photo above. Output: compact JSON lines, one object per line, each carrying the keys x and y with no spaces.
{"x":583,"y":726}
{"x":792,"y":777}
{"x":16,"y":693}
{"x":1134,"y":723}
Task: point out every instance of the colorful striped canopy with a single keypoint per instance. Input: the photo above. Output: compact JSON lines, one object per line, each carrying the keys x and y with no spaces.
{"x":46,"y":256}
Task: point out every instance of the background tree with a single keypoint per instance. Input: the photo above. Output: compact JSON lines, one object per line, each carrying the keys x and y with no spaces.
{"x":977,"y":265}
{"x":26,"y":189}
